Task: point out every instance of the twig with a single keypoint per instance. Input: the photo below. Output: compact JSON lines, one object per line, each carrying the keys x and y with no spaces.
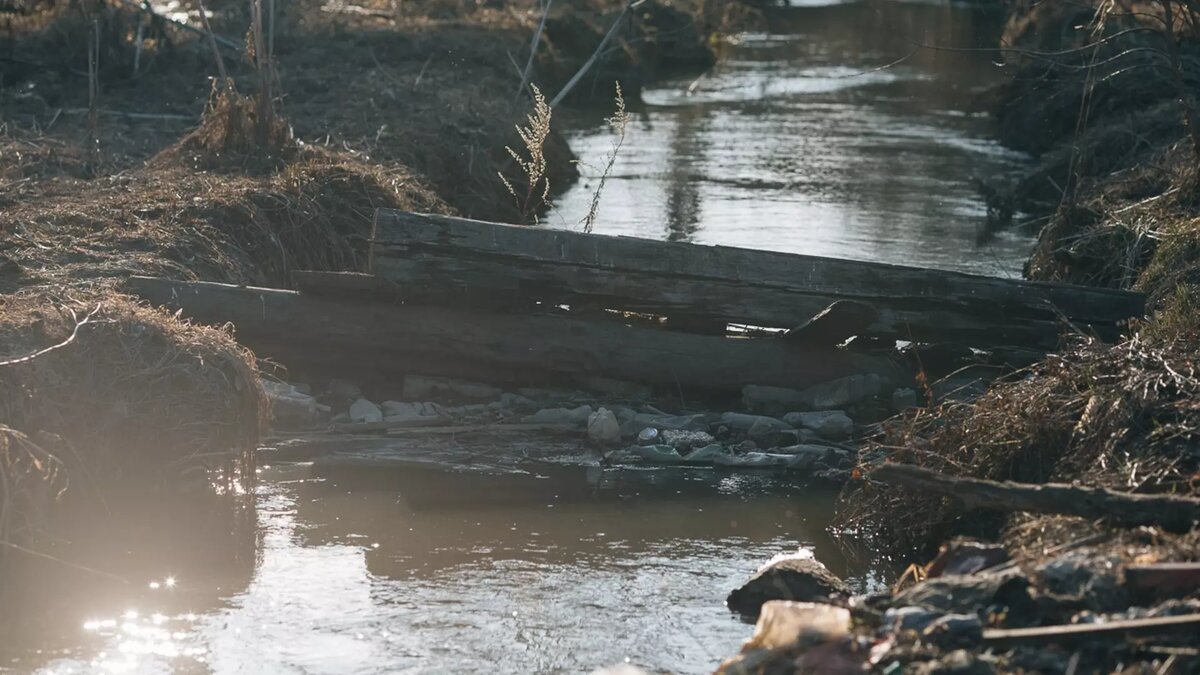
{"x":533,"y":47}
{"x":71,"y":338}
{"x":596,"y":54}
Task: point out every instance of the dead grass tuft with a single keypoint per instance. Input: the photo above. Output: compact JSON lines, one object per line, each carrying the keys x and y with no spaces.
{"x":234,"y":132}
{"x":137,"y":395}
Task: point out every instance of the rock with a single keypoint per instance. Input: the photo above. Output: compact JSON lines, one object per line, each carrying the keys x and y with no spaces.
{"x":744,"y":423}
{"x":770,"y":400}
{"x":788,"y":437}
{"x":804,"y":456}
{"x":661,"y":454}
{"x":841,"y":392}
{"x":402,"y":409}
{"x":290,"y":408}
{"x":974,"y":593}
{"x":747,"y":446}
{"x":954,"y":630}
{"x":834,"y":425}
{"x":432,"y":409}
{"x":903,"y":399}
{"x":765,"y":431}
{"x":602,"y":426}
{"x":345,"y":389}
{"x":581,"y":415}
{"x":711,"y":453}
{"x":648,"y":436}
{"x":787,"y":577}
{"x":363,"y":410}
{"x":753,"y":460}
{"x":784,"y":622}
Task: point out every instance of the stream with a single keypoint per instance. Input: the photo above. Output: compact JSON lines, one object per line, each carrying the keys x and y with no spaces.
{"x":801,"y":140}
{"x":806,"y":139}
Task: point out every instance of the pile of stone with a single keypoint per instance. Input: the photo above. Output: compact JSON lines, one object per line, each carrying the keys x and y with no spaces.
{"x":810,"y":431}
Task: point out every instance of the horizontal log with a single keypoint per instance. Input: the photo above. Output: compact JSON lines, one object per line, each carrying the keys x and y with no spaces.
{"x":1164,"y":578}
{"x":1177,"y":514}
{"x":430,"y":253}
{"x":395,"y":339}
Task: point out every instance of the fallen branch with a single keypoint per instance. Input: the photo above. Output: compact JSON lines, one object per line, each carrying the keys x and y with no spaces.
{"x":595,"y":55}
{"x":1177,"y":514}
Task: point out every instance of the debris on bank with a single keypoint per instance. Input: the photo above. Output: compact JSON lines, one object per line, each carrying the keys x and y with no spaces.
{"x":975,"y":609}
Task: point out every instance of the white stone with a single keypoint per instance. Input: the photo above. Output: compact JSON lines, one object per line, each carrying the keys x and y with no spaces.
{"x":602,"y":426}
{"x":290,"y":407}
{"x":363,"y":410}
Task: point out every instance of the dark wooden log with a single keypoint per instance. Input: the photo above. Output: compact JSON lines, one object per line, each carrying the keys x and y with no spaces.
{"x":1177,"y":514}
{"x":430,"y":253}
{"x":393,"y":339}
{"x":1164,"y":578}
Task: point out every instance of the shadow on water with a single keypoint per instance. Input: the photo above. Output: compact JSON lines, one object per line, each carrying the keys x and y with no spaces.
{"x":835,"y":132}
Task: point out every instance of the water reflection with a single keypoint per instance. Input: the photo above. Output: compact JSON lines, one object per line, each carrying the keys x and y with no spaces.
{"x":354,"y":580}
{"x":805,"y":140}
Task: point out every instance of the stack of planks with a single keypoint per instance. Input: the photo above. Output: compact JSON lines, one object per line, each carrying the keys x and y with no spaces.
{"x":512,"y":304}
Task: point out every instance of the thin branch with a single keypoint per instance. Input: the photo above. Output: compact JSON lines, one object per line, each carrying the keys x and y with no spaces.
{"x":74,"y":333}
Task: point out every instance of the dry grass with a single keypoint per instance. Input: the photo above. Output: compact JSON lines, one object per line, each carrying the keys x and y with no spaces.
{"x":1125,"y":417}
{"x":532,"y":193}
{"x":137,"y":395}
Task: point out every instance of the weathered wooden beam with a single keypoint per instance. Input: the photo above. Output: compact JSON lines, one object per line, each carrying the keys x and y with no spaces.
{"x":430,"y":253}
{"x":393,"y":339}
{"x":1164,"y":578}
{"x":1177,"y":514}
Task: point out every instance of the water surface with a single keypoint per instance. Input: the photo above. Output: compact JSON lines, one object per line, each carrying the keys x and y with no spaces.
{"x":834,"y":133}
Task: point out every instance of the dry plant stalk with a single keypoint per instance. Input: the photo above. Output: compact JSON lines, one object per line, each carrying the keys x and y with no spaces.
{"x":618,"y":123}
{"x":537,"y":184}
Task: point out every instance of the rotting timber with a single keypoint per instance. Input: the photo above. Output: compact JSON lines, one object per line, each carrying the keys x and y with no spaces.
{"x":449,"y":296}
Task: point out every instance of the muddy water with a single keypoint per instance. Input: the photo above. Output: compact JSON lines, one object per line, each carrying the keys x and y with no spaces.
{"x":793,"y":143}
{"x":803,"y":141}
{"x":349,"y":579}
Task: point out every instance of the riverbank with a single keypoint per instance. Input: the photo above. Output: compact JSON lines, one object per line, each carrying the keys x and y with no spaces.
{"x":1097,"y":95}
{"x":125,"y":151}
